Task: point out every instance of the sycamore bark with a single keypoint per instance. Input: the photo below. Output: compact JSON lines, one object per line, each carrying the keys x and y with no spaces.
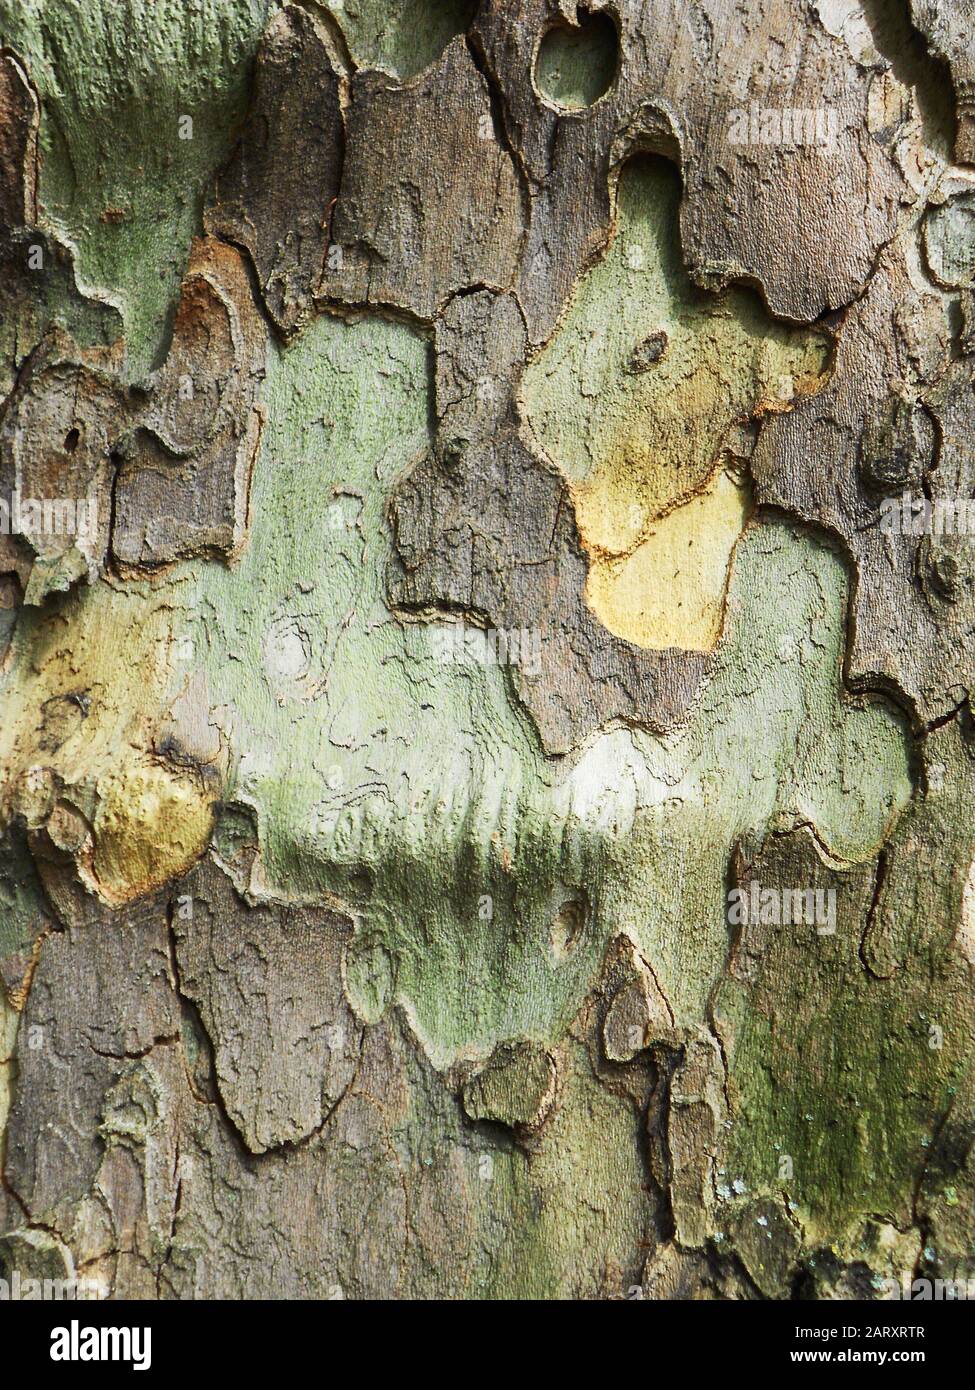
{"x":486,"y":760}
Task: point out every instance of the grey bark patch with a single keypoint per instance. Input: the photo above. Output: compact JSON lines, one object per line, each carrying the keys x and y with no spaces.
{"x":515,"y":1089}
{"x":909,"y":443}
{"x":430,"y":202}
{"x":268,"y":984}
{"x":24,"y":920}
{"x":292,"y":145}
{"x":56,"y":469}
{"x":19,"y":122}
{"x":162,"y":473}
{"x":184,"y":485}
{"x":99,"y":998}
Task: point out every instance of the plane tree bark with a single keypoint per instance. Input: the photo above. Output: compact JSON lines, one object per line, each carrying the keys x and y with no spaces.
{"x":486,"y":622}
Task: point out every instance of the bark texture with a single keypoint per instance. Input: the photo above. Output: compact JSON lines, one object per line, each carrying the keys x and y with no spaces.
{"x":488,"y":414}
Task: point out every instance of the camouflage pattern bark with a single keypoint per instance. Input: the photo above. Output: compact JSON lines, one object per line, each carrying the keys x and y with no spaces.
{"x":453,"y":646}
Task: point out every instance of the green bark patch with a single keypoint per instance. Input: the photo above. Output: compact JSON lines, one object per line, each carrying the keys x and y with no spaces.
{"x":577,"y":63}
{"x":848,"y":1048}
{"x":639,"y":400}
{"x":141,"y":102}
{"x":401,"y":37}
{"x":416,"y":792}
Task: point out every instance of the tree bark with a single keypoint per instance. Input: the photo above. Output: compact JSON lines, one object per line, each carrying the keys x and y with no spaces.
{"x":487,"y":618}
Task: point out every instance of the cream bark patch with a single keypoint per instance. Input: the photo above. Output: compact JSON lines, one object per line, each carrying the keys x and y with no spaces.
{"x":634,"y":399}
{"x":669,"y":591}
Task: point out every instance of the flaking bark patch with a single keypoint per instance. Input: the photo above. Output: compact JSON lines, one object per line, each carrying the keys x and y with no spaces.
{"x":486,"y":648}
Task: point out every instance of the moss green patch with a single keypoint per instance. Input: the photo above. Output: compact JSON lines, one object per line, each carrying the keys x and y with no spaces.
{"x":141,"y":103}
{"x":584,"y":1189}
{"x":847,"y":1072}
{"x":401,"y":37}
{"x":577,"y":63}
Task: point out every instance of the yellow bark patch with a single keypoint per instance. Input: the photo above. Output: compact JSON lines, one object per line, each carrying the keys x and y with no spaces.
{"x":150,"y":826}
{"x":84,"y":711}
{"x":669,"y":591}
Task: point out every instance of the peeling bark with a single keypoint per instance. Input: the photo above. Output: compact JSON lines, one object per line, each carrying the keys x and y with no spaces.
{"x":484,"y":786}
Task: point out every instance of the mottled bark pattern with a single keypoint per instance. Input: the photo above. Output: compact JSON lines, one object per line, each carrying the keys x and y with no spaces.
{"x":346,"y":951}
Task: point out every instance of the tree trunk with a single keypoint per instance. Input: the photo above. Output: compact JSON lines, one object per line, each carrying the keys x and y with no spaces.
{"x":487,"y":616}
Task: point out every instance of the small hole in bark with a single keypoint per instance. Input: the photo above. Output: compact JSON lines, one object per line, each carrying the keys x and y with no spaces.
{"x":71,"y":440}
{"x":648,"y":352}
{"x":577,"y":63}
{"x":567,"y":928}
